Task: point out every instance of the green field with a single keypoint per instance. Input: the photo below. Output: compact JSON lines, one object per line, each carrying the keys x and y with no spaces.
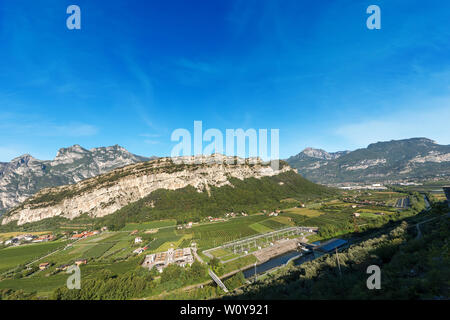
{"x":149,"y":225}
{"x":304,"y":211}
{"x":215,"y":234}
{"x":114,"y":250}
{"x":12,"y":257}
{"x":260,"y":228}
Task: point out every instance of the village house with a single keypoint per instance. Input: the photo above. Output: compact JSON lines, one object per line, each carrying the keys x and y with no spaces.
{"x":80,"y":262}
{"x":62,"y":267}
{"x":137,"y":240}
{"x":44,"y":265}
{"x":77,"y":236}
{"x":140,"y":250}
{"x":11,"y":241}
{"x":84,"y":234}
{"x":44,"y":238}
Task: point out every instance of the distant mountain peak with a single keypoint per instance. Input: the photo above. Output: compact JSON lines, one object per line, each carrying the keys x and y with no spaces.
{"x":413,"y":141}
{"x":23,"y":159}
{"x":322,"y":154}
{"x":76,"y":148}
{"x":316,"y":153}
{"x":25,"y":175}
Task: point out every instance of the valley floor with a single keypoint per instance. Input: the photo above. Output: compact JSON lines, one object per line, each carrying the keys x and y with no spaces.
{"x":111,"y":260}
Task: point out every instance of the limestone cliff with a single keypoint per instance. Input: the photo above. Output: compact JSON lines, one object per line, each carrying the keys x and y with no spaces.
{"x":107,"y":193}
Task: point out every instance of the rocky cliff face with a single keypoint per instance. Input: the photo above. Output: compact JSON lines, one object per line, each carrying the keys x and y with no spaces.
{"x":105,"y":194}
{"x":321,"y":154}
{"x":25,"y":175}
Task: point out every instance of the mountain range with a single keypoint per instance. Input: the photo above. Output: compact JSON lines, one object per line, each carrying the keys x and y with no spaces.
{"x":26,"y":175}
{"x":412,"y":159}
{"x":382,"y":162}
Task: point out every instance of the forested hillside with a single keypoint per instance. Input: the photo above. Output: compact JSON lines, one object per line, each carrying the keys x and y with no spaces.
{"x":248,"y":195}
{"x":414,"y":265}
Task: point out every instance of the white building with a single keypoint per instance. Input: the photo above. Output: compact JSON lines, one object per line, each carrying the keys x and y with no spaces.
{"x":137,"y":240}
{"x":139,"y":250}
{"x":160,"y":260}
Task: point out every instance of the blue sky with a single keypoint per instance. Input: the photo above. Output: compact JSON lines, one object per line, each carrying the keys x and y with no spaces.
{"x":137,"y":70}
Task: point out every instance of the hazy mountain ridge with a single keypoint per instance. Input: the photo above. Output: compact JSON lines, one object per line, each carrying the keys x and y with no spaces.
{"x":415,"y":159}
{"x":23,"y":176}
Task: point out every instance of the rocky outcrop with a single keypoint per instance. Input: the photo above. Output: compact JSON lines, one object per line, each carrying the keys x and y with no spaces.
{"x":108,"y":193}
{"x":322,"y":154}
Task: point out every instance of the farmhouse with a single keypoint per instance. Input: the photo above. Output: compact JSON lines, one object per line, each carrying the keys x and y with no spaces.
{"x":137,"y":240}
{"x":44,"y":265}
{"x":44,"y":238}
{"x":140,"y":250}
{"x":62,"y":267}
{"x":160,"y":260}
{"x":80,"y":262}
{"x":11,"y":241}
{"x":85,"y":234}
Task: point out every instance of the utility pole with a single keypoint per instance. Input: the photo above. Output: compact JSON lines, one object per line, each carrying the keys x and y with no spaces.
{"x":339,"y":265}
{"x":355,"y":224}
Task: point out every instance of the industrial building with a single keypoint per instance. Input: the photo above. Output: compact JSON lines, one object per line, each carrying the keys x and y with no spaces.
{"x":160,"y":260}
{"x":329,"y":246}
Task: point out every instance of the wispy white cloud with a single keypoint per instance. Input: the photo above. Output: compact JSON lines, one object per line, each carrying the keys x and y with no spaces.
{"x":150,"y":135}
{"x":37,"y":126}
{"x":77,"y":130}
{"x":148,"y":141}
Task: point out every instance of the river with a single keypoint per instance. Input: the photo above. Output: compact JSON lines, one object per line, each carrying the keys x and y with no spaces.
{"x":278,"y":261}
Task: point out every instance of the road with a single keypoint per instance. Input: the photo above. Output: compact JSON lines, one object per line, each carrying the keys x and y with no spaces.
{"x":419,"y":232}
{"x":197,"y":256}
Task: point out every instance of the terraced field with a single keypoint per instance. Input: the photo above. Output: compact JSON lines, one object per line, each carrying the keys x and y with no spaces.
{"x":149,"y":225}
{"x":98,"y":250}
{"x":214,"y":234}
{"x":304,"y":211}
